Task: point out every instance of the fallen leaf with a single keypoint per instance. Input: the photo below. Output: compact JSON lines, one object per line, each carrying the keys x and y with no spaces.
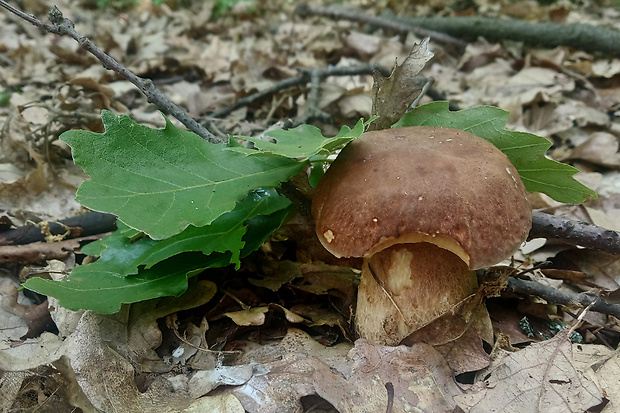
{"x":368,"y":378}
{"x":393,"y":95}
{"x":541,"y":378}
{"x":601,"y":149}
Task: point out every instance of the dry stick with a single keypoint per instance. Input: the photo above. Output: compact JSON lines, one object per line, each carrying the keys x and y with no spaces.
{"x":579,"y":35}
{"x":550,"y":294}
{"x":65,"y":27}
{"x":90,"y":223}
{"x":303,"y":78}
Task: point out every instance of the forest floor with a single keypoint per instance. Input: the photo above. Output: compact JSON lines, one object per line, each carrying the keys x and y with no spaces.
{"x":277,"y":335}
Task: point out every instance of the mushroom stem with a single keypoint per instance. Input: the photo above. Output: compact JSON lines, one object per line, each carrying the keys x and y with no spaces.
{"x":407,"y":286}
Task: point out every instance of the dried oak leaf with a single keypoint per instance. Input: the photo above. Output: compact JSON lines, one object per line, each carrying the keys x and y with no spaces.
{"x":366,"y":378}
{"x":393,"y":95}
{"x":541,"y":378}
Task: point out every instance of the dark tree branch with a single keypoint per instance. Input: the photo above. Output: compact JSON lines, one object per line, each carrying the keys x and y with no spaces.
{"x":84,"y":225}
{"x":550,"y":294}
{"x":578,"y":35}
{"x":305,"y":76}
{"x":574,"y":232}
{"x":65,"y":27}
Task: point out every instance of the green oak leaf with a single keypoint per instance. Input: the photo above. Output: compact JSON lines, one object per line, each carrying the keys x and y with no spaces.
{"x":104,"y":285}
{"x":261,"y":227}
{"x":222,"y":235}
{"x":160,"y":181}
{"x":118,"y":251}
{"x":526,"y":151}
{"x":303,"y":142}
{"x":96,"y":287}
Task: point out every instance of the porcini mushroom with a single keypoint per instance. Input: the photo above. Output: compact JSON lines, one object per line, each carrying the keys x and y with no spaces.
{"x":424,"y":207}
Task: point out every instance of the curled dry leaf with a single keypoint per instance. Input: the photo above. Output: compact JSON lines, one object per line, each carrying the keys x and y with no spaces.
{"x":393,"y":95}
{"x":36,"y":316}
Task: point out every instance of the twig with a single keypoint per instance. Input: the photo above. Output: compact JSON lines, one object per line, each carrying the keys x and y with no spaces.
{"x":65,"y":27}
{"x":383,"y":23}
{"x":578,"y":35}
{"x":305,"y":76}
{"x":313,"y":111}
{"x":38,"y":252}
{"x":91,"y":223}
{"x":379,"y":281}
{"x":427,"y":85}
{"x":574,"y":232}
{"x":550,"y":294}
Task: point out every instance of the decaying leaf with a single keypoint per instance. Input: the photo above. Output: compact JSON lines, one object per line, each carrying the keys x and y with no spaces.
{"x":393,"y":95}
{"x":541,"y":378}
{"x":366,"y":378}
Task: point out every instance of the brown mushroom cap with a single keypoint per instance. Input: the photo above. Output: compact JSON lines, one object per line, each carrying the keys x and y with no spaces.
{"x":426,"y":184}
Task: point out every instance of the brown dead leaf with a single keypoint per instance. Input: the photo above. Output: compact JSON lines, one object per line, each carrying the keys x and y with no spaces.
{"x":602,"y":269}
{"x":364,"y":44}
{"x":37,"y":316}
{"x":393,"y":95}
{"x":321,"y":316}
{"x":601,"y":149}
{"x":273,"y":378}
{"x":108,"y":379}
{"x":216,"y":404}
{"x":284,"y":272}
{"x":458,"y":335}
{"x":535,"y":84}
{"x":541,"y":378}
{"x":608,"y":378}
{"x":254,"y":316}
{"x":607,"y":68}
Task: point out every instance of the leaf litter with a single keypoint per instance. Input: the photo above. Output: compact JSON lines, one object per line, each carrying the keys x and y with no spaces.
{"x":569,"y":96}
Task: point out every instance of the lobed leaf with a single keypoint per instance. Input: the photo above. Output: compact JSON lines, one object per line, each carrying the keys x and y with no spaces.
{"x":160,"y":181}
{"x":222,"y":235}
{"x":526,"y":151}
{"x":391,"y":96}
{"x":302,"y":142}
{"x":99,"y":288}
{"x":104,"y":285}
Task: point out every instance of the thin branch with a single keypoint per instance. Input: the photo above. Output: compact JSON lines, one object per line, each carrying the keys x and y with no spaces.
{"x":550,"y":294}
{"x":581,"y":36}
{"x":305,"y":76}
{"x":84,"y":225}
{"x":65,"y":27}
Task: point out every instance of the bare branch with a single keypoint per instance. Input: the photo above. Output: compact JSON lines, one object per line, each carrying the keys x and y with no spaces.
{"x":305,"y":76}
{"x":550,"y":294}
{"x":65,"y":27}
{"x":574,"y":232}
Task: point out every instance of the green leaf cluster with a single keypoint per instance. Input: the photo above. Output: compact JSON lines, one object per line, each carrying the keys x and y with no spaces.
{"x":183,"y":205}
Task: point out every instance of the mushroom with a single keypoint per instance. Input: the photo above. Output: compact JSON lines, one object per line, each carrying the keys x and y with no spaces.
{"x":424,"y":207}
